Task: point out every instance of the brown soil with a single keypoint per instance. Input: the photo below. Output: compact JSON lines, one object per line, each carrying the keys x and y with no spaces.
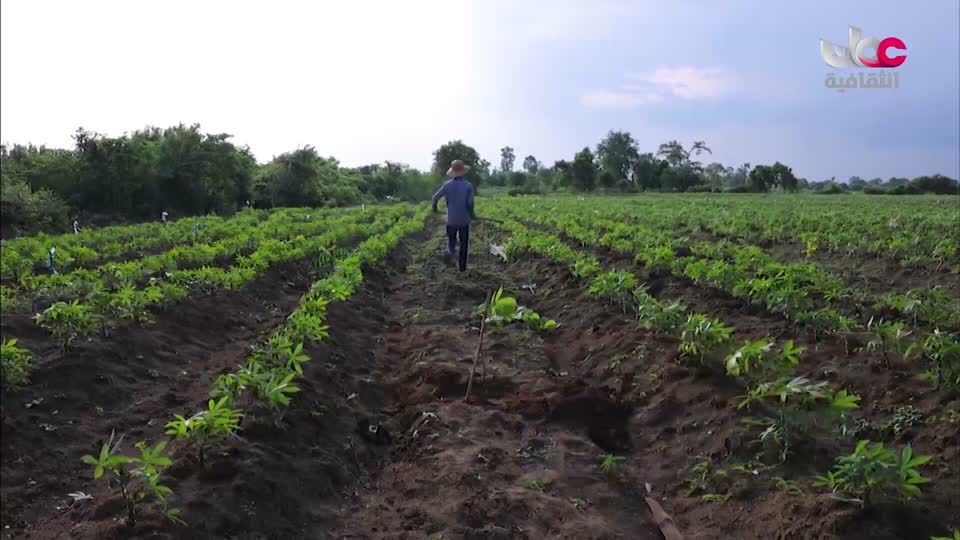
{"x":131,"y":383}
{"x":519,"y":460}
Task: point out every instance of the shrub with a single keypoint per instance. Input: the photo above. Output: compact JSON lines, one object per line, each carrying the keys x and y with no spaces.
{"x":832,"y":188}
{"x":873,"y":470}
{"x":15,"y":364}
{"x":135,"y":477}
{"x":27,"y":211}
{"x":802,"y":406}
{"x":937,"y":183}
{"x":218,"y":421}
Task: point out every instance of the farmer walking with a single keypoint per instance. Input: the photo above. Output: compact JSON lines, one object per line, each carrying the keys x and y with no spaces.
{"x":459,"y":196}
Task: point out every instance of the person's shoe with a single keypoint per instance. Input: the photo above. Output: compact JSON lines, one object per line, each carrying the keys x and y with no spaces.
{"x":448,"y":259}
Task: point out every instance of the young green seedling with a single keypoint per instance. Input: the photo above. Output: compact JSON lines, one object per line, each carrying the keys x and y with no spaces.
{"x":135,"y":477}
{"x":218,"y":421}
{"x":873,"y":470}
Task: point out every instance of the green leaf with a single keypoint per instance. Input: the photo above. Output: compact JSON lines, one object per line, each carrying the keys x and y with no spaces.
{"x":505,"y":307}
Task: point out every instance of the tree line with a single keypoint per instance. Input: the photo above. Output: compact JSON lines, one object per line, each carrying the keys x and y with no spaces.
{"x":183,"y":171}
{"x":616,"y":164}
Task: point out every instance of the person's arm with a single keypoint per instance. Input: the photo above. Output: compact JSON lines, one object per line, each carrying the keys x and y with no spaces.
{"x":437,"y":195}
{"x":470,"y":202}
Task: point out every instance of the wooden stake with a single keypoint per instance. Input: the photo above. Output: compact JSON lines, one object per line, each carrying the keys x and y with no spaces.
{"x":663,"y":520}
{"x":476,"y":356}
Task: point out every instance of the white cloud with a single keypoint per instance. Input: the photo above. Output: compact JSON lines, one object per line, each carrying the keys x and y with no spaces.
{"x":688,"y":82}
{"x":692,"y":82}
{"x":605,"y":99}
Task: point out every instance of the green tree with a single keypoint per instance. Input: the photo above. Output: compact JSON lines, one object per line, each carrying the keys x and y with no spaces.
{"x":677,"y":156}
{"x":606,"y":179}
{"x":531,"y":165}
{"x":584,"y":170}
{"x":507,"y":157}
{"x":25,"y":210}
{"x":562,"y":174}
{"x":766,"y":177}
{"x":716,"y":175}
{"x":617,"y":153}
{"x":783,"y":177}
{"x":647,"y":170}
{"x":761,"y":179}
{"x":739,"y":177}
{"x":856,"y":183}
{"x":518,"y":179}
{"x":303,"y":178}
{"x":937,"y":183}
{"x":683,"y":171}
{"x":444,"y":155}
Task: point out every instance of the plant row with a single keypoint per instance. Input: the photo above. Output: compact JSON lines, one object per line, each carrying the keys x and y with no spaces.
{"x":106,"y":303}
{"x":909,"y":232}
{"x":34,"y":289}
{"x":792,"y":409}
{"x":242,"y":238}
{"x":263,"y":385}
{"x":93,"y":246}
{"x":790,"y":290}
{"x":797,"y":290}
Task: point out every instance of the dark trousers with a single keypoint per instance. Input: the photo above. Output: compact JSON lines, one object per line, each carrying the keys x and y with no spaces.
{"x":463,"y":232}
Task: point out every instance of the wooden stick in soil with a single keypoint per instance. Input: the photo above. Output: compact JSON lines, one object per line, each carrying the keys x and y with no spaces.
{"x":476,"y":356}
{"x":663,"y":520}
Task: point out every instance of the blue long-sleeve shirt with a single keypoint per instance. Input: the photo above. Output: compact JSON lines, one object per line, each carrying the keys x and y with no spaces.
{"x":459,"y":195}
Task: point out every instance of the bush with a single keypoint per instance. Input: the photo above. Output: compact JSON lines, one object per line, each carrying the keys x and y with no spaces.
{"x":15,"y":364}
{"x":906,"y":189}
{"x":939,"y":184}
{"x":832,"y":188}
{"x":525,"y":190}
{"x":738,"y":189}
{"x":873,"y":471}
{"x":26,"y":211}
{"x":936,"y":184}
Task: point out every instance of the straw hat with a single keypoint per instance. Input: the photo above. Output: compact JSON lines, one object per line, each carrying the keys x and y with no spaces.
{"x":457,"y":168}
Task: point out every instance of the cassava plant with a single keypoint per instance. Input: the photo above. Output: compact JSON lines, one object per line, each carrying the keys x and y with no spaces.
{"x":15,"y":363}
{"x":873,"y":471}
{"x":655,"y":316}
{"x":801,"y":407}
{"x":505,"y":310}
{"x":702,"y":335}
{"x":68,"y":321}
{"x":218,"y":421}
{"x":274,"y":387}
{"x":611,"y":464}
{"x":135,"y":477}
{"x":615,"y":286}
{"x":942,"y":351}
{"x":281,"y":351}
{"x":759,"y":359}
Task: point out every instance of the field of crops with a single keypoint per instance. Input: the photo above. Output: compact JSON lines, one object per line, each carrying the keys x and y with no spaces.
{"x":764,"y":366}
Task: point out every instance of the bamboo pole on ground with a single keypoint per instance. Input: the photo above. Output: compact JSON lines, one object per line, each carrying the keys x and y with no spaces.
{"x":476,"y":356}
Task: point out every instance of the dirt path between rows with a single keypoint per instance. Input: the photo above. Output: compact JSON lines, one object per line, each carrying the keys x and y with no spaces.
{"x":520,"y":459}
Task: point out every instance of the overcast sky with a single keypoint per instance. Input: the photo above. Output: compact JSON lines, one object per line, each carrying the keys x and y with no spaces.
{"x":373,"y":81}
